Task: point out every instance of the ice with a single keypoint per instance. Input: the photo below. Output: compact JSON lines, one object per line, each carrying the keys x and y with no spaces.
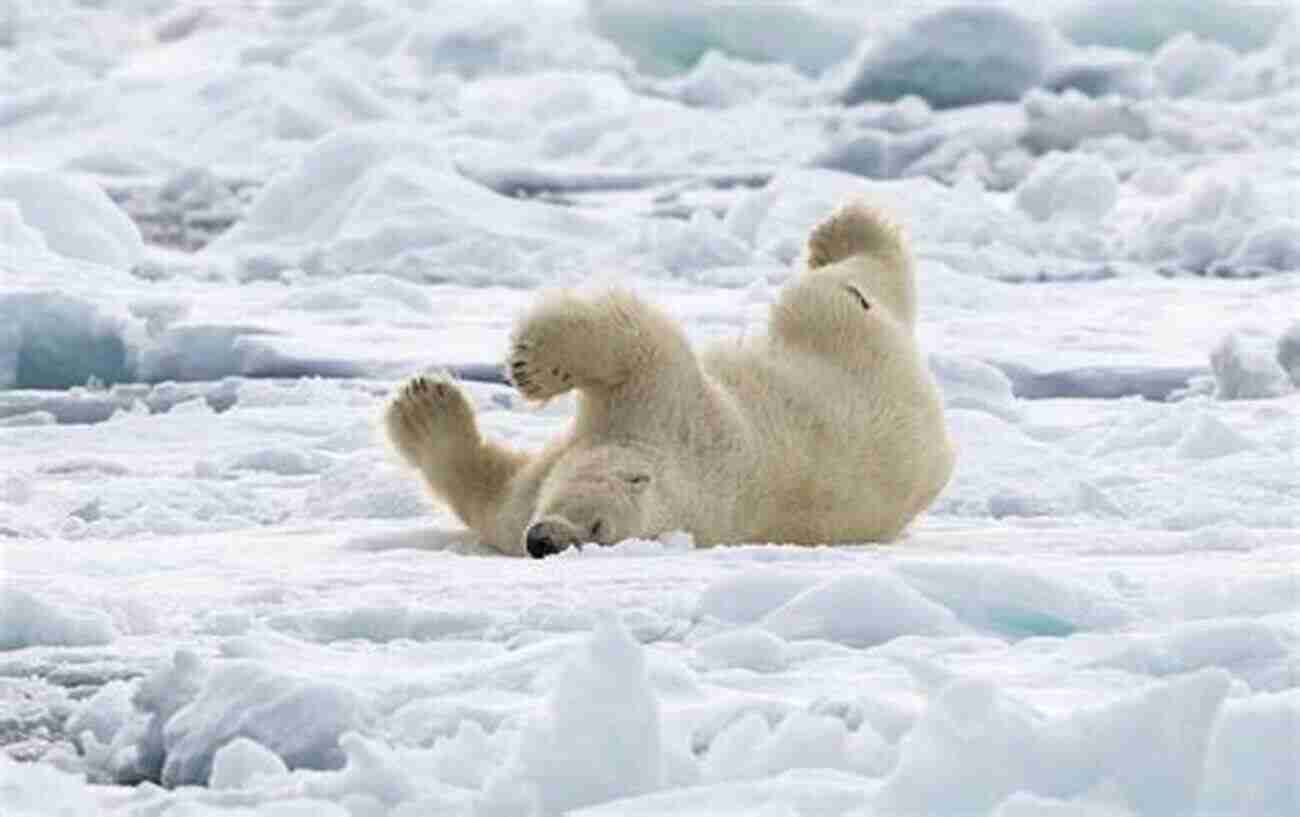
{"x":1288,"y":353}
{"x":1062,"y":185}
{"x":860,"y":610}
{"x":365,"y":199}
{"x":1245,"y":371}
{"x":1267,"y":250}
{"x":1064,"y":121}
{"x":31,"y":620}
{"x":1209,"y":438}
{"x":1187,"y":65}
{"x":72,"y":216}
{"x":1252,"y":766}
{"x":671,"y":37}
{"x":995,"y":737}
{"x":753,"y":649}
{"x":53,"y":341}
{"x":599,"y":736}
{"x":240,"y":763}
{"x":960,"y":55}
{"x":1146,"y":24}
{"x":296,"y":718}
{"x":228,"y":233}
{"x":748,"y":596}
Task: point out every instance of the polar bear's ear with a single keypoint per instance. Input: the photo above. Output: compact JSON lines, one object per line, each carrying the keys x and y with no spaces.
{"x":636,"y":480}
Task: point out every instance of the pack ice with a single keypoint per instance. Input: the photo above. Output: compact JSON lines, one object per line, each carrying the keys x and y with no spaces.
{"x":228,"y":231}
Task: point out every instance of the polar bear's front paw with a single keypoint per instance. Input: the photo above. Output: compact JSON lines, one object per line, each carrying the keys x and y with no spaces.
{"x":429,"y":413}
{"x":528,"y":369}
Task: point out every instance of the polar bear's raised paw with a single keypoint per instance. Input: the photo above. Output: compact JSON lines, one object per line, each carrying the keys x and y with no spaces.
{"x":429,"y":413}
{"x":527,"y":371}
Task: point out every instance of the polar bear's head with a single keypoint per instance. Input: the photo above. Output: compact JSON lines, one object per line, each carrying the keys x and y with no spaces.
{"x":592,"y":495}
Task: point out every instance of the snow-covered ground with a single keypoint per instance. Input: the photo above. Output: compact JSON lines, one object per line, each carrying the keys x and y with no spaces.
{"x":228,"y":230}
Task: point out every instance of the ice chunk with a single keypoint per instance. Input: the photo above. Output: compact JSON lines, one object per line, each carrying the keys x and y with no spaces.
{"x":240,"y":762}
{"x":378,"y":197}
{"x":1144,"y":25}
{"x":1288,"y":353}
{"x":719,"y":81}
{"x":104,"y":713}
{"x":75,"y":218}
{"x":672,"y":35}
{"x":804,"y":741}
{"x":1252,"y":765}
{"x":1069,"y":185}
{"x":971,"y":749}
{"x":860,"y":610}
{"x":298,"y":719}
{"x":598,"y":737}
{"x":752,"y":649}
{"x":1099,"y":72}
{"x":16,"y":234}
{"x":1062,"y":121}
{"x":1150,"y":745}
{"x":38,"y":789}
{"x":1242,"y":371}
{"x":1265,"y":250}
{"x":731,"y":752}
{"x":28,"y":620}
{"x":745,"y":597}
{"x":972,"y":384}
{"x":1187,"y":64}
{"x":1209,"y":437}
{"x":961,"y":55}
{"x":49,"y":340}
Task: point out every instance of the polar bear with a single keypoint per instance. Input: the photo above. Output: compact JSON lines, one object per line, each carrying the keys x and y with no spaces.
{"x":828,"y":428}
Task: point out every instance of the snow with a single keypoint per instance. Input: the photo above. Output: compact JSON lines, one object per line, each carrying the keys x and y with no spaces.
{"x":227,"y":234}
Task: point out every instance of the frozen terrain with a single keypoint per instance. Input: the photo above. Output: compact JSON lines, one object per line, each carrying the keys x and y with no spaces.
{"x":228,"y":230}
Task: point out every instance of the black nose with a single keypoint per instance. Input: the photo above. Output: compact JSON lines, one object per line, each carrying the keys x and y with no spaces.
{"x":539,"y":542}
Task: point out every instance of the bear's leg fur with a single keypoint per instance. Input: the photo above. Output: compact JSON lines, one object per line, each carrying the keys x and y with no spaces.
{"x":431,"y":425}
{"x":598,"y":343}
{"x":858,"y":273}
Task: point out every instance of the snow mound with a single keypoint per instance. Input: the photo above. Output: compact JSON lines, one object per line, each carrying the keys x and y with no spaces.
{"x":1245,"y":371}
{"x":747,"y":596}
{"x":860,"y":610}
{"x":75,"y":218}
{"x":241,"y":762}
{"x":671,"y":37}
{"x":975,"y":747}
{"x":1210,"y":438}
{"x":27,"y":620}
{"x":751,"y":649}
{"x":379,"y":198}
{"x":961,"y":55}
{"x":968,"y":383}
{"x":598,"y":737}
{"x":1064,"y":185}
{"x":1144,"y":25}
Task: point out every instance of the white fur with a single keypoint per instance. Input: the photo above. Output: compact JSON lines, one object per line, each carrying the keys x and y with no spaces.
{"x":828,"y":428}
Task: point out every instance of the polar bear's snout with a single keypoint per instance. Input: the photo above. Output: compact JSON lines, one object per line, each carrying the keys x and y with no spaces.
{"x":549,"y":536}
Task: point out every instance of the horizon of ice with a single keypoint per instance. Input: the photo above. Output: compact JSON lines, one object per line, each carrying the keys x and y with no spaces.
{"x":226,"y":234}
